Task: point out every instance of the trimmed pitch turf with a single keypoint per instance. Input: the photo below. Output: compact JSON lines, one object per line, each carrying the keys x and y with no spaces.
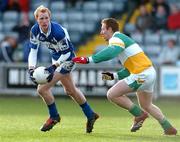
{"x":21,"y":118}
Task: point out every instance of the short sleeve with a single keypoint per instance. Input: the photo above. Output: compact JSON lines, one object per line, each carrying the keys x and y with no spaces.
{"x":115,"y":41}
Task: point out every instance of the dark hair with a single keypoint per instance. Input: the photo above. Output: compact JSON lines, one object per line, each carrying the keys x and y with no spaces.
{"x":173,"y":41}
{"x":111,"y":22}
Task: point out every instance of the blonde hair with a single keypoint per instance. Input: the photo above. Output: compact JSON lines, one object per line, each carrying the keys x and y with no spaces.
{"x":42,"y":9}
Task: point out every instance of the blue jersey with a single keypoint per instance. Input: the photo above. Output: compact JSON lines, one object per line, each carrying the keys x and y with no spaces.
{"x":56,"y":40}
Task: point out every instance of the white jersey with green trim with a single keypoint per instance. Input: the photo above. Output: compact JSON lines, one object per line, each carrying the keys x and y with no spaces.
{"x":131,"y":56}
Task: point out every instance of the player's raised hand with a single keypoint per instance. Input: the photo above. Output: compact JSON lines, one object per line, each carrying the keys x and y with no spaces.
{"x":81,"y":60}
{"x":107,"y":76}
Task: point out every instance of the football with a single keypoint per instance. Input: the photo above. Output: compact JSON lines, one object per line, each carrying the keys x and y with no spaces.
{"x":40,"y":75}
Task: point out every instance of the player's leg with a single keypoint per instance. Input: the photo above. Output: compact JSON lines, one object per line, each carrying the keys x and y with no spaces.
{"x":145,"y":100}
{"x":117,"y":92}
{"x":45,"y":92}
{"x":78,"y":96}
{"x":71,"y":89}
{"x":117,"y":95}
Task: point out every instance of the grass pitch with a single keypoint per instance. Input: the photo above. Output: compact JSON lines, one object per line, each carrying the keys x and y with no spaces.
{"x":21,"y":118}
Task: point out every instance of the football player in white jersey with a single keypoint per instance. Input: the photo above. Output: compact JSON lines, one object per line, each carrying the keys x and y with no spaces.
{"x":56,"y":39}
{"x":138,"y":75}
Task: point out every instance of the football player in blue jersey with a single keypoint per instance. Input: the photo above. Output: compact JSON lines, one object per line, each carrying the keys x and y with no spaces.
{"x":56,"y":39}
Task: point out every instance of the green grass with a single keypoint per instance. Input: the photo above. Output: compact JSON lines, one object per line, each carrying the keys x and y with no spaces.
{"x":21,"y":118}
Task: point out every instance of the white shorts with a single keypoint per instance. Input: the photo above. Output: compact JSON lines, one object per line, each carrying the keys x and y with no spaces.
{"x":144,"y":81}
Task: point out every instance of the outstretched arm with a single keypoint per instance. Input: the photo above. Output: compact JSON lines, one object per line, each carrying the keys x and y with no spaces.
{"x":106,"y":54}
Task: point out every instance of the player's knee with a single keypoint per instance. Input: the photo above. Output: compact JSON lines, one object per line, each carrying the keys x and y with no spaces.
{"x":146,"y":107}
{"x":109,"y":95}
{"x":70,"y":91}
{"x":41,"y":90}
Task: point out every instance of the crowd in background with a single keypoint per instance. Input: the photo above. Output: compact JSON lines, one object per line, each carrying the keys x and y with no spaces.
{"x":159,"y":15}
{"x":152,"y":16}
{"x":156,"y":17}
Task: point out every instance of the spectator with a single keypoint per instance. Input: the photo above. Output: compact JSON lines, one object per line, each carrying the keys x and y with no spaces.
{"x":23,"y":29}
{"x":169,"y":54}
{"x":160,"y":19}
{"x":18,"y":5}
{"x":131,"y":6}
{"x":133,"y":13}
{"x":162,"y":3}
{"x":24,"y":5}
{"x":144,"y":20}
{"x":173,"y":23}
{"x":7,"y":48}
{"x":13,"y":5}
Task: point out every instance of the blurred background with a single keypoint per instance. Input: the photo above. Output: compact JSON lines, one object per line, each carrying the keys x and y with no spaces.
{"x":154,"y":24}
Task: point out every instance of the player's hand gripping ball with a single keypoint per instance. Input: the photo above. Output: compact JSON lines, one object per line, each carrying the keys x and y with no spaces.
{"x":41,"y":75}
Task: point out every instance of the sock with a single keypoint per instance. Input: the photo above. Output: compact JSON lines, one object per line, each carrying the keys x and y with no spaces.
{"x":165,"y":124}
{"x":135,"y":110}
{"x":87,"y":110}
{"x":53,"y":110}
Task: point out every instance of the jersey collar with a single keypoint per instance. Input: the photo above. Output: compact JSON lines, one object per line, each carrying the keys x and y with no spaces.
{"x":49,"y":30}
{"x":116,"y":33}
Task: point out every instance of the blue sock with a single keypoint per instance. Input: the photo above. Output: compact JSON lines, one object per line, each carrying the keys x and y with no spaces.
{"x":53,"y":110}
{"x":87,"y":110}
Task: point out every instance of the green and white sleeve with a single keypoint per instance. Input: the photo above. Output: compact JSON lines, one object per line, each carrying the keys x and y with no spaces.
{"x":106,"y":54}
{"x":116,"y":46}
{"x":121,"y":74}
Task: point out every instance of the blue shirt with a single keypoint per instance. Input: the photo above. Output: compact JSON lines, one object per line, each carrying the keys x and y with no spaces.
{"x":56,"y":40}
